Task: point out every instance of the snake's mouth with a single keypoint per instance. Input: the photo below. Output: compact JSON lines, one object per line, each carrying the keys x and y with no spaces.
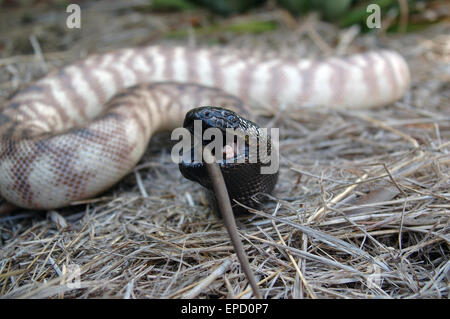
{"x":220,"y":130}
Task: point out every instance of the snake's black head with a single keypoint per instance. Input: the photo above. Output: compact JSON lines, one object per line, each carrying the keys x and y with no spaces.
{"x":212,"y":117}
{"x":236,"y":143}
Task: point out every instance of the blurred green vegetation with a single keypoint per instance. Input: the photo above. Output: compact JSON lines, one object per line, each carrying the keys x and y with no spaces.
{"x":341,"y":12}
{"x":396,"y":15}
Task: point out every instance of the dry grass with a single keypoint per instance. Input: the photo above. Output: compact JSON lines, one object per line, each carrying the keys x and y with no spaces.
{"x":361,"y":209}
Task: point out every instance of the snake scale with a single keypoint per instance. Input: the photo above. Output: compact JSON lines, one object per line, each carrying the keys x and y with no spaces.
{"x":75,"y":132}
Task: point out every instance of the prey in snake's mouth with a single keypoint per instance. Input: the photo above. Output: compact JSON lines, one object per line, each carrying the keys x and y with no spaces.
{"x":236,"y":145}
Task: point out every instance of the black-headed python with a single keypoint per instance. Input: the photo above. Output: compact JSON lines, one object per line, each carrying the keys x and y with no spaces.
{"x":75,"y":132}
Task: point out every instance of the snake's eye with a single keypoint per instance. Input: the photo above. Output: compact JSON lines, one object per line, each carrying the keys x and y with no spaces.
{"x":207,"y":114}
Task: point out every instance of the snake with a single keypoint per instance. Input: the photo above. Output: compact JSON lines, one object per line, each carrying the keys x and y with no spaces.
{"x":77,"y":131}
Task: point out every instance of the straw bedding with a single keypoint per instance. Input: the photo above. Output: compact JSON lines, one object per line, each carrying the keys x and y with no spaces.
{"x":360,"y":209}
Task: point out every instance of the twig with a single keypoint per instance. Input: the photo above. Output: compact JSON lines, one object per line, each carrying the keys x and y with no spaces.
{"x":224,"y":204}
{"x":337,"y":198}
{"x":38,"y":52}
{"x":208,"y":280}
{"x":140,"y":184}
{"x":261,"y":282}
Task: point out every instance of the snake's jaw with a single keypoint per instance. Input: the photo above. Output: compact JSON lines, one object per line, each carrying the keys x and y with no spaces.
{"x":239,"y":162}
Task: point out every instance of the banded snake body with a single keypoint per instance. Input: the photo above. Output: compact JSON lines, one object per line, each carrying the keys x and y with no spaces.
{"x":75,"y":132}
